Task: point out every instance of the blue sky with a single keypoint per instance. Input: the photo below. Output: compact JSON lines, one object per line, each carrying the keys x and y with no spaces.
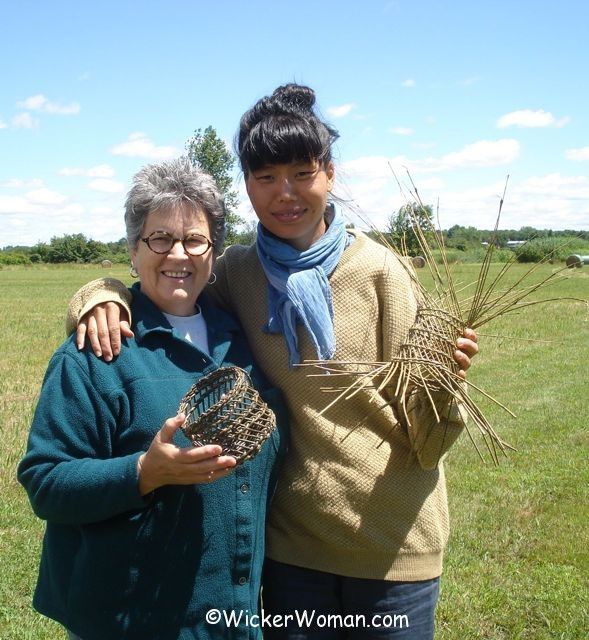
{"x":459,"y":93}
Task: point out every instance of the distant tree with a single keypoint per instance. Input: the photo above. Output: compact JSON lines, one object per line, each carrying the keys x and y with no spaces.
{"x":462,"y":238}
{"x":247,"y":235}
{"x":14,"y":257}
{"x":117,"y":251}
{"x":539,"y":249}
{"x":401,"y":226}
{"x":74,"y":248}
{"x":209,"y":152}
{"x":528,"y":233}
{"x":120,"y":246}
{"x":41,"y":249}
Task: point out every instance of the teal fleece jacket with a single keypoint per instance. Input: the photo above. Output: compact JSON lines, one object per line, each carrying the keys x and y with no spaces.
{"x":116,"y":565}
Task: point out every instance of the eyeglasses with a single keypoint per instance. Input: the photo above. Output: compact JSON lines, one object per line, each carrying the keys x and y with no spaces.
{"x":162,"y":242}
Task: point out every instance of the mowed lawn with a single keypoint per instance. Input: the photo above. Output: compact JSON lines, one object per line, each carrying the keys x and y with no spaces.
{"x":517,"y":564}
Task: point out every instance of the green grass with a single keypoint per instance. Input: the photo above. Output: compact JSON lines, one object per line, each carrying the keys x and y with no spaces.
{"x":517,"y":563}
{"x":33,"y":302}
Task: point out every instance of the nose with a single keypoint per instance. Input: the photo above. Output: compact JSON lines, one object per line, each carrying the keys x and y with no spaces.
{"x":177,"y":250}
{"x":287,"y":190}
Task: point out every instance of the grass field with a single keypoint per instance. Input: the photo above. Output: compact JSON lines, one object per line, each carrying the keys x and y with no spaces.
{"x":517,"y":565}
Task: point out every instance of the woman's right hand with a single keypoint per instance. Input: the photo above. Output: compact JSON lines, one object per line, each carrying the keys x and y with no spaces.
{"x":165,"y":463}
{"x":104,"y":325}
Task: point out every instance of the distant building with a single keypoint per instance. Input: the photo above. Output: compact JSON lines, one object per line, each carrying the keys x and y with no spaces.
{"x":514,"y":244}
{"x":510,"y":244}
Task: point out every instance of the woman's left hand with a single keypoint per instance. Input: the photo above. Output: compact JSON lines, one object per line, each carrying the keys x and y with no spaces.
{"x":466,"y":350}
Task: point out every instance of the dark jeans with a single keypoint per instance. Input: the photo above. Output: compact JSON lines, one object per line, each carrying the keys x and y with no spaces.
{"x":345,"y":608}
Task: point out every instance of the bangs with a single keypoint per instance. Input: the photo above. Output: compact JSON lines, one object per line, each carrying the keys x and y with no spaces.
{"x":281,"y":139}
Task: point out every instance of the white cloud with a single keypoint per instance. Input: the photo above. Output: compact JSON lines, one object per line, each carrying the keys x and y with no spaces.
{"x":24,"y":121}
{"x":17,"y":183}
{"x":580,"y":155}
{"x":106,"y":186}
{"x":341,"y":111}
{"x":551,"y":201}
{"x":433,"y":183}
{"x":409,"y":83}
{"x":33,"y":103}
{"x":531,"y":119}
{"x":401,"y":131}
{"x":484,"y":153}
{"x":138,"y":145}
{"x":45,"y":196}
{"x":368,"y":166}
{"x":72,"y":212}
{"x":40,"y":103}
{"x":16,"y":222}
{"x":393,"y":5}
{"x":41,"y":214}
{"x":99,"y":171}
{"x":17,"y":204}
{"x":72,"y":109}
{"x":555,"y":183}
{"x":3,"y":125}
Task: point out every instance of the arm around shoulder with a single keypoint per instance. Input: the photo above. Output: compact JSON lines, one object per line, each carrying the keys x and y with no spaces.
{"x":94,"y":293}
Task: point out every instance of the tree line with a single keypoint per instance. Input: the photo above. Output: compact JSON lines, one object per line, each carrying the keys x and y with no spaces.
{"x":463,"y":244}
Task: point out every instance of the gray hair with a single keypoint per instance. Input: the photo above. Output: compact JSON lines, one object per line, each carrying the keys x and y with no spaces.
{"x":166,"y":185}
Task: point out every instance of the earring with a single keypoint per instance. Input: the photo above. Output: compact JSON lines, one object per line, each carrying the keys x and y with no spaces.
{"x":132,"y":271}
{"x":212,"y":279}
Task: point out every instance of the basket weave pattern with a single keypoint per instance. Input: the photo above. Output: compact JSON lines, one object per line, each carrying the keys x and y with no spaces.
{"x":224,"y":408}
{"x":430,"y":346}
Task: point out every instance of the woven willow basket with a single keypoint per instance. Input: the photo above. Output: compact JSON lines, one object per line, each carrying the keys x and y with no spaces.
{"x":223,"y":408}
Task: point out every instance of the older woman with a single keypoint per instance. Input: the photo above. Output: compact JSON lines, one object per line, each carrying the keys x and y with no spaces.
{"x":146,"y":533}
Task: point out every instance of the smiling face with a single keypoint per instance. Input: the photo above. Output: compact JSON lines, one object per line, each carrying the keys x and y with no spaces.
{"x":174,"y":280}
{"x":290,"y":200}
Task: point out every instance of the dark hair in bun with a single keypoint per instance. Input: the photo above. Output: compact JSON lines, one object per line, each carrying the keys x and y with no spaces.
{"x":283,"y":128}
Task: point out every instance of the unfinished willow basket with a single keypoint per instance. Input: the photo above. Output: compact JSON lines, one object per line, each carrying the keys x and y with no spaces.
{"x":426,"y":359}
{"x":224,"y":408}
{"x":431,"y":343}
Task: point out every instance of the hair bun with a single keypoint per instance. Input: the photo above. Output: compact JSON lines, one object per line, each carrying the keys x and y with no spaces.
{"x":295,"y":97}
{"x":283,"y":128}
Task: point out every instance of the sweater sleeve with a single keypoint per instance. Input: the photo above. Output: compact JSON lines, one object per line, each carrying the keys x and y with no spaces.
{"x":431,"y":432}
{"x":70,"y":471}
{"x":94,"y":293}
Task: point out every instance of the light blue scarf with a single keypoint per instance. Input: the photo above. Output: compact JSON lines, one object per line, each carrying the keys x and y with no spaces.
{"x":299,"y":289}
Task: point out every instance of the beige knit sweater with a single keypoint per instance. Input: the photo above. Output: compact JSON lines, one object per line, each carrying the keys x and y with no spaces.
{"x":365,"y":500}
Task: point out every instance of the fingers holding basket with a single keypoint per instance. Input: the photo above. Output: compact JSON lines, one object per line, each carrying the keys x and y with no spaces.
{"x":466,"y":350}
{"x":165,"y":463}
